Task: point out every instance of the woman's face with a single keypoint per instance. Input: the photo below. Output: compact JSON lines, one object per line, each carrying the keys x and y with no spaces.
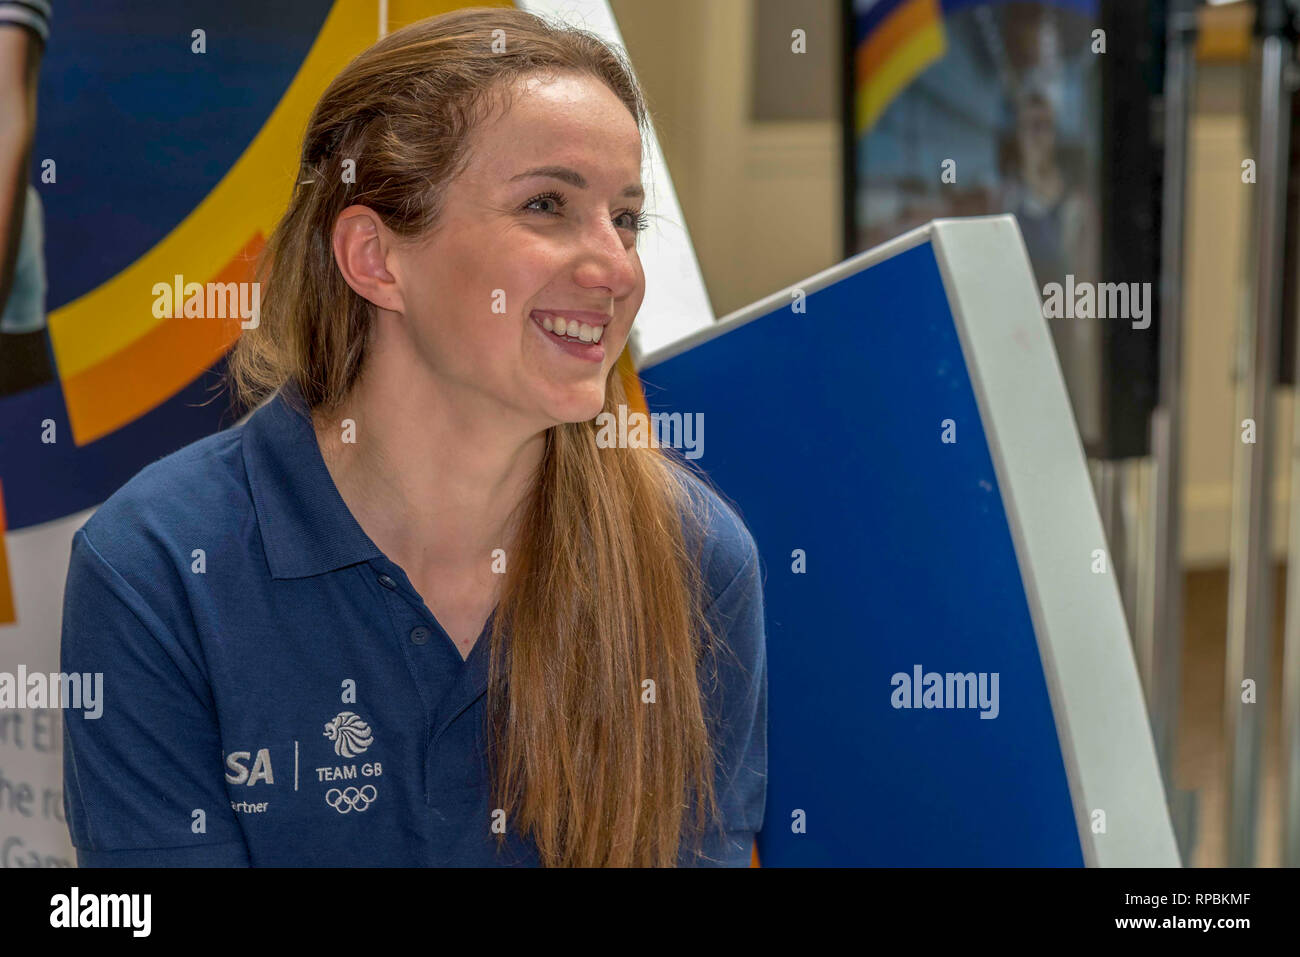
{"x":541,"y":222}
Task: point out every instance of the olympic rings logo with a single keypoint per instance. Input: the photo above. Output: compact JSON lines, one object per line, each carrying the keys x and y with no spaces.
{"x":351,"y":799}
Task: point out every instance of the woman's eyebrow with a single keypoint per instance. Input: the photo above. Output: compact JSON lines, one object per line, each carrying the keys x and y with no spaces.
{"x":574,"y":178}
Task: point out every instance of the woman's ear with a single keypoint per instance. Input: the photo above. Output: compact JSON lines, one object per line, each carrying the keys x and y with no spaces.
{"x":363,"y":249}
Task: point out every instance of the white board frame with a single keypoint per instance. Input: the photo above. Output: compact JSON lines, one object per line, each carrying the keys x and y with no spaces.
{"x":1083,"y":639}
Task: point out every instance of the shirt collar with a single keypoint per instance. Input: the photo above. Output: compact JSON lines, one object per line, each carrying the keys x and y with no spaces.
{"x":306,"y":526}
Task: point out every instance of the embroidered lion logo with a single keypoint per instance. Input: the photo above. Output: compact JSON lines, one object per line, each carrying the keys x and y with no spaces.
{"x":350,"y":734}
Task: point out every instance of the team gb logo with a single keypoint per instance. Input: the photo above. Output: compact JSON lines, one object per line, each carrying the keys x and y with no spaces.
{"x":351,"y":735}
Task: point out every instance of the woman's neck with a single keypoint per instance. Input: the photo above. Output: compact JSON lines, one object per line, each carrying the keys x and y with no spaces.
{"x":429,"y":471}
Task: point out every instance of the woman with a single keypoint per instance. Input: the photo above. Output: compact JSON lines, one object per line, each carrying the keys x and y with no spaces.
{"x":410,"y":612}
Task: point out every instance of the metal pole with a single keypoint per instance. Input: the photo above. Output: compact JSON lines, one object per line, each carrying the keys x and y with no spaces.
{"x":1166,"y":421}
{"x":1110,"y":504}
{"x":1142,"y":484}
{"x":1134,"y":575}
{"x":1291,"y":665}
{"x":1250,"y":588}
{"x":1290,"y":718}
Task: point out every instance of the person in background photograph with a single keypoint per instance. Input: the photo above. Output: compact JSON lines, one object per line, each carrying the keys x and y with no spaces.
{"x":24,"y":32}
{"x":1056,"y":216}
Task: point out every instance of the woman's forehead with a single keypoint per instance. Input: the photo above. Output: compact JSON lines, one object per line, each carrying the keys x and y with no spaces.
{"x":582,"y":159}
{"x":568,"y":109}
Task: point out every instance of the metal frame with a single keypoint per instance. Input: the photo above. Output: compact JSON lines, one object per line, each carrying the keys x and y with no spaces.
{"x":1250,"y":586}
{"x":1164,"y":670}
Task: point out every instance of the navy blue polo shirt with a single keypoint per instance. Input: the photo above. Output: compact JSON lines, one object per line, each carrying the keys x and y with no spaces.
{"x":276,"y":693}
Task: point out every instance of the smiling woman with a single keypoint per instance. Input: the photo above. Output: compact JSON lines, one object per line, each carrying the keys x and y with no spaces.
{"x":555,"y":648}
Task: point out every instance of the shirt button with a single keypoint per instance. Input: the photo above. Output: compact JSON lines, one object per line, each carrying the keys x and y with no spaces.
{"x":419,"y":635}
{"x":387,"y":582}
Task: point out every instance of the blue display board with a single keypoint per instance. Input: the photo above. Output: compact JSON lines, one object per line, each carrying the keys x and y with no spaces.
{"x":826,"y":429}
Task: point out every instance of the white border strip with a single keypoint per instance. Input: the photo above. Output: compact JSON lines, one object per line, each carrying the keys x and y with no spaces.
{"x":785,"y":296}
{"x":1083,"y":638}
{"x":676,"y":300}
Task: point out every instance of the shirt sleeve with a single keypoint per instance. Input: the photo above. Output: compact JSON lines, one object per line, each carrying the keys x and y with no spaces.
{"x":143,"y":782}
{"x":737,"y":617}
{"x":34,"y":15}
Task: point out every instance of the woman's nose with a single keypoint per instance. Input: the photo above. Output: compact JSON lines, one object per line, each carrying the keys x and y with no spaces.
{"x":606,"y":261}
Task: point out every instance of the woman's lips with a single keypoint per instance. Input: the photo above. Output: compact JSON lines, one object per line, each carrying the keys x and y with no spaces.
{"x":582,"y":315}
{"x":589,"y":351}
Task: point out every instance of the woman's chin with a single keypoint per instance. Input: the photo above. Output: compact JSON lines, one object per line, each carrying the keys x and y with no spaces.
{"x":572,"y":403}
{"x":577,"y":408}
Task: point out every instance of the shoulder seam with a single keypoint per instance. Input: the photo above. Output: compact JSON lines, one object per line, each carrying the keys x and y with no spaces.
{"x":131,"y":590}
{"x":750,"y":561}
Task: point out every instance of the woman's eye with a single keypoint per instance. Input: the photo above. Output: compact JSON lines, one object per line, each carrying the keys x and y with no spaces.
{"x":636,"y":219}
{"x":555,"y":198}
{"x":639,"y":220}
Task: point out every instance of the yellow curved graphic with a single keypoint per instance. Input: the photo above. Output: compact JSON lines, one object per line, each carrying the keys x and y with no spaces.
{"x":116,"y":359}
{"x":895,"y":53}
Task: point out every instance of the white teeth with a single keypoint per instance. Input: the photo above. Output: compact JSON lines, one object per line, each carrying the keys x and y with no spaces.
{"x":573,"y":329}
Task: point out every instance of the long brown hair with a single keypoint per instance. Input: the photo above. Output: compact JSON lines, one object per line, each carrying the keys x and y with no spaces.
{"x":602,"y":595}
